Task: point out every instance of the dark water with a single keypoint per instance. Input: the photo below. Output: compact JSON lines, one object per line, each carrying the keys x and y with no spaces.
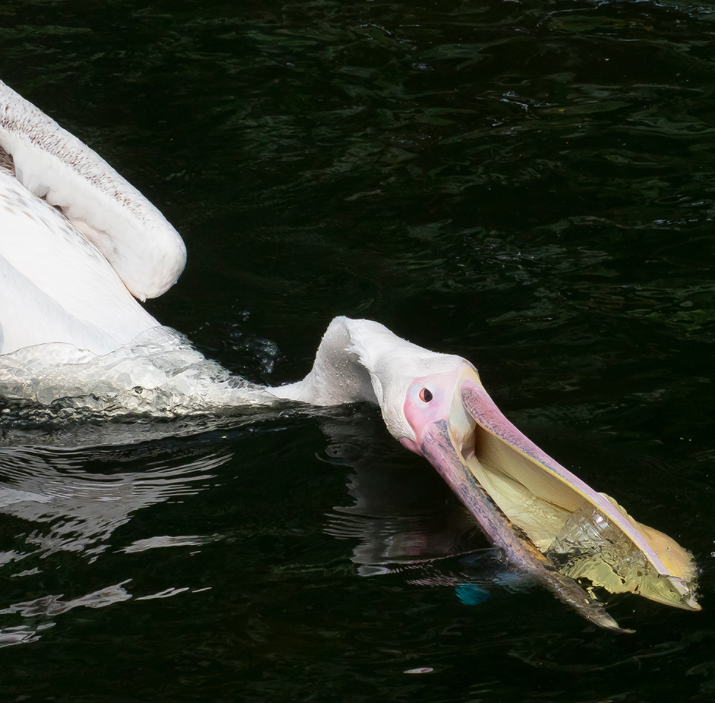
{"x":529,"y":185}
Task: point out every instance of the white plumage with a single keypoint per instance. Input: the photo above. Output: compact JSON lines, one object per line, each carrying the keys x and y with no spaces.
{"x":69,"y":275}
{"x":144,"y":249}
{"x":55,"y":286}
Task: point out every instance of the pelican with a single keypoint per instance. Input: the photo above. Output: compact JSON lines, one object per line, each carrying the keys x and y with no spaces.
{"x":80,"y":247}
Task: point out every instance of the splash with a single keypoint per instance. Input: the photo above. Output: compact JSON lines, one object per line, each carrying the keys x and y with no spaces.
{"x":159,"y":374}
{"x":590,"y":547}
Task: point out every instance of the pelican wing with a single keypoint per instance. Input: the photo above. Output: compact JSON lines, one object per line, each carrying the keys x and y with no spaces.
{"x":55,"y":286}
{"x":143,"y":248}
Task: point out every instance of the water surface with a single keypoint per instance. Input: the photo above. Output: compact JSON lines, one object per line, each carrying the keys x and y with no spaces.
{"x":529,"y":185}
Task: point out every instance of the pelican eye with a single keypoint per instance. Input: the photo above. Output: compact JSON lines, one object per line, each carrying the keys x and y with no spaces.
{"x":426,"y":395}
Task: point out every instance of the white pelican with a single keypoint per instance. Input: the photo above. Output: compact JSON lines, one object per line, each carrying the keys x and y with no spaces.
{"x":78,"y":245}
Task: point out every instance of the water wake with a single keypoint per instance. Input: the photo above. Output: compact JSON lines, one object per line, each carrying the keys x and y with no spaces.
{"x":159,"y":374}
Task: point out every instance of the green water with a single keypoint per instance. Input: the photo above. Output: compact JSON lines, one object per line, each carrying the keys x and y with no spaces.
{"x":529,"y":185}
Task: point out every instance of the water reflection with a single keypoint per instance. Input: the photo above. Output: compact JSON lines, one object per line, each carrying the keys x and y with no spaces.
{"x":53,"y":605}
{"x":404,"y":519}
{"x":56,"y":501}
{"x":22,"y":634}
{"x":76,"y":498}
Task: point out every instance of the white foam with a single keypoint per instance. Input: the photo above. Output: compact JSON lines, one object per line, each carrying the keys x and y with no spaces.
{"x":158,"y":373}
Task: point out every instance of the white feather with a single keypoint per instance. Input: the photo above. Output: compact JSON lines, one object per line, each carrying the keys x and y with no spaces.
{"x":145,"y":250}
{"x":55,"y":286}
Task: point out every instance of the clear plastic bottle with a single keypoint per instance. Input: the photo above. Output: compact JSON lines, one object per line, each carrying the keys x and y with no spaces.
{"x":587,"y":531}
{"x":590,"y":546}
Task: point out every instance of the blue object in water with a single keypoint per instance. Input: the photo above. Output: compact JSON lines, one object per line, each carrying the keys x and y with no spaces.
{"x":471,"y":594}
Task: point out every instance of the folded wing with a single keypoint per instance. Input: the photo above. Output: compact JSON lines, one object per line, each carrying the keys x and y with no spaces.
{"x":143,"y":248}
{"x":55,"y":286}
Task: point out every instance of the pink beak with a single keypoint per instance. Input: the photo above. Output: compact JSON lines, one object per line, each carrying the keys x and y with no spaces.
{"x":546,"y":519}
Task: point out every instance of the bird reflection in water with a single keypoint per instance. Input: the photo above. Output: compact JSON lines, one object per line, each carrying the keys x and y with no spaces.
{"x":405,"y":520}
{"x":75,"y":499}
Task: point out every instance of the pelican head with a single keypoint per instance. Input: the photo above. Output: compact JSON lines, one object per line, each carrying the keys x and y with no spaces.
{"x":435,"y":400}
{"x":546,"y":519}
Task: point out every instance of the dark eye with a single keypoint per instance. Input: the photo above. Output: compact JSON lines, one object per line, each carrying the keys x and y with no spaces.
{"x":425,"y":395}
